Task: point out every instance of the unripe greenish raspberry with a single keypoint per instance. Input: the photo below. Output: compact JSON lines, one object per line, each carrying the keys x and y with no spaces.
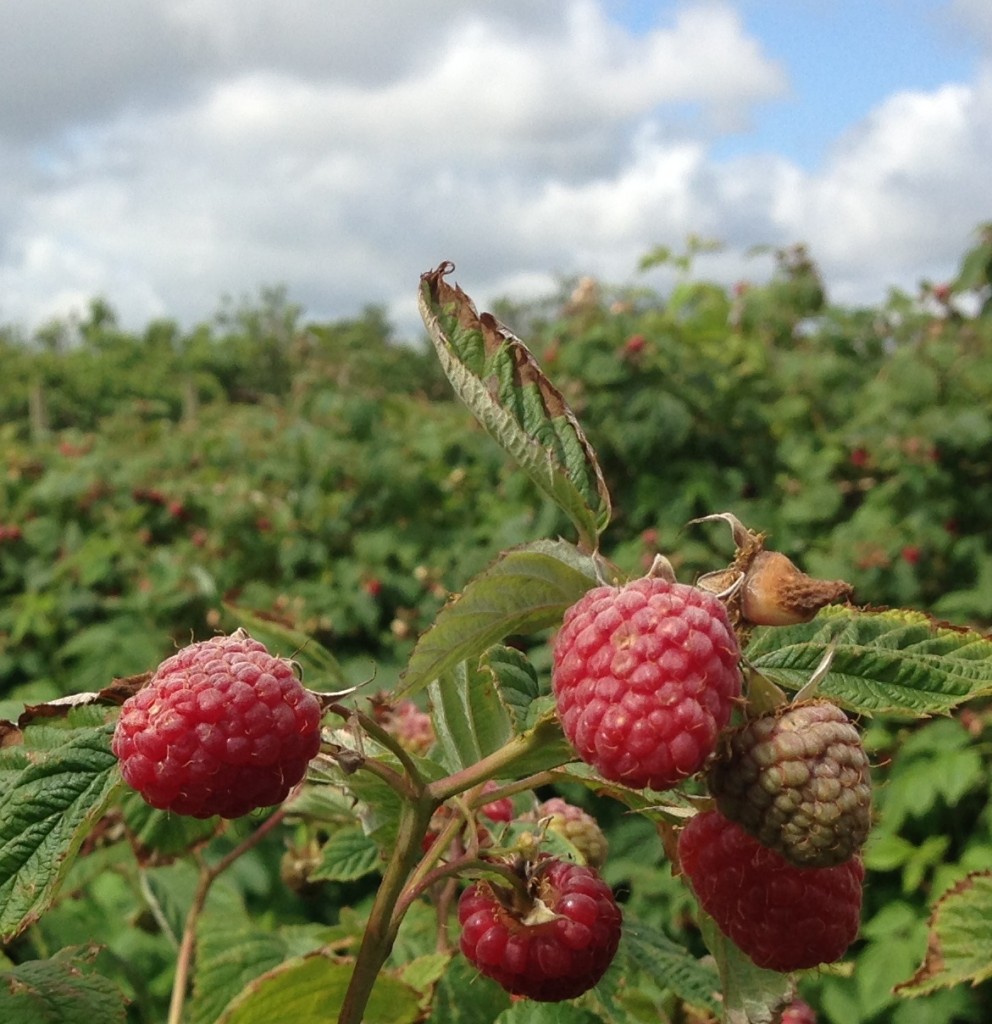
{"x":798,"y":781}
{"x":578,"y":827}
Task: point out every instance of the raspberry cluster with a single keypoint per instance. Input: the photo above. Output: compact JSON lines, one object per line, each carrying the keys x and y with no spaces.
{"x":553,"y":945}
{"x":223,"y":727}
{"x":645,"y":677}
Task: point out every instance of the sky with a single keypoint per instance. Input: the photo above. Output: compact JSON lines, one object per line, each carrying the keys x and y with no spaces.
{"x":167,"y":154}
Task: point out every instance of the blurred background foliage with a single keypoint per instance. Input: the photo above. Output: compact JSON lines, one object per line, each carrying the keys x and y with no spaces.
{"x":323,"y":476}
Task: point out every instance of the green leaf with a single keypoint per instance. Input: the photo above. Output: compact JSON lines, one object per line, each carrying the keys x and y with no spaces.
{"x":231,"y":953}
{"x":528,"y":1012}
{"x":161,"y":833}
{"x":46,"y":812}
{"x":518,"y":682}
{"x":464,"y":996}
{"x":671,"y":965}
{"x":751,"y":995}
{"x":887,"y":662}
{"x":347,"y":855}
{"x":495,"y":375}
{"x":381,"y":806}
{"x":470,"y":717}
{"x":62,"y":990}
{"x":960,"y":945}
{"x":524,"y":590}
{"x":311,"y":990}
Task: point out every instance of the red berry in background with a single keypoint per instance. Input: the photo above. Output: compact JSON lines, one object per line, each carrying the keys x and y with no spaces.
{"x":500,"y":810}
{"x":553,"y":945}
{"x":645,"y":677}
{"x":407,"y":722}
{"x":496,"y":810}
{"x":634,"y":345}
{"x":649,"y":538}
{"x":783,"y":917}
{"x":223,"y":727}
{"x":798,"y":1012}
{"x":911,"y":554}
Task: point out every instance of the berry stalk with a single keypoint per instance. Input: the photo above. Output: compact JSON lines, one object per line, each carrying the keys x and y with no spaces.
{"x":387,"y":911}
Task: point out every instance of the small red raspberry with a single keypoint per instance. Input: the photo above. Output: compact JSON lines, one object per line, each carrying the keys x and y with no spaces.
{"x":223,"y":727}
{"x":500,"y":810}
{"x":578,"y":826}
{"x":645,"y":677}
{"x":412,"y":727}
{"x":554,"y":945}
{"x":783,"y":917}
{"x":497,"y":810}
{"x":798,"y":1012}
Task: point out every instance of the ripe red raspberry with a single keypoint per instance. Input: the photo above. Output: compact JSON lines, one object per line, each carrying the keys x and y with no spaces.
{"x":223,"y":727}
{"x":554,"y":945}
{"x":579,"y":827}
{"x":783,"y":917}
{"x":497,"y":810}
{"x":645,"y":676}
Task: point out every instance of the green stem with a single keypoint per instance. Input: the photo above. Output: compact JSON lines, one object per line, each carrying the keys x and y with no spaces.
{"x":468,"y":865}
{"x":383,"y":737}
{"x":500,"y":762}
{"x":384,"y":920}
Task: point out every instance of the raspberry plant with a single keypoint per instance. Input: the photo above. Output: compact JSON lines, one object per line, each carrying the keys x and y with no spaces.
{"x":429,"y":805}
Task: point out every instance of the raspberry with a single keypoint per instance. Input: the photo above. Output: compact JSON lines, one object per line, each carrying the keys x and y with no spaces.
{"x":783,"y":917}
{"x":798,"y":1012}
{"x":554,"y":945}
{"x":223,"y":727}
{"x":578,"y":827}
{"x":645,"y":676}
{"x":496,"y":810}
{"x":500,"y":810}
{"x":411,"y":726}
{"x":798,"y":781}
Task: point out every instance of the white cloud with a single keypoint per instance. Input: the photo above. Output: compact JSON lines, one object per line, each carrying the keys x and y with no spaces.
{"x":344,"y":150}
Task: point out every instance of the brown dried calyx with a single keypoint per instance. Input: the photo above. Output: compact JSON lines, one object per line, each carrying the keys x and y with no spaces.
{"x":765,"y":588}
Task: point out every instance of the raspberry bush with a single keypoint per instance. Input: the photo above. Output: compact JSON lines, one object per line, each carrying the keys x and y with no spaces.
{"x":533,"y":800}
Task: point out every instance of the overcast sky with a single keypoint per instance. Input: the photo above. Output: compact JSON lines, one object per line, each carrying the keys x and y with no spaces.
{"x":165,"y":153}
